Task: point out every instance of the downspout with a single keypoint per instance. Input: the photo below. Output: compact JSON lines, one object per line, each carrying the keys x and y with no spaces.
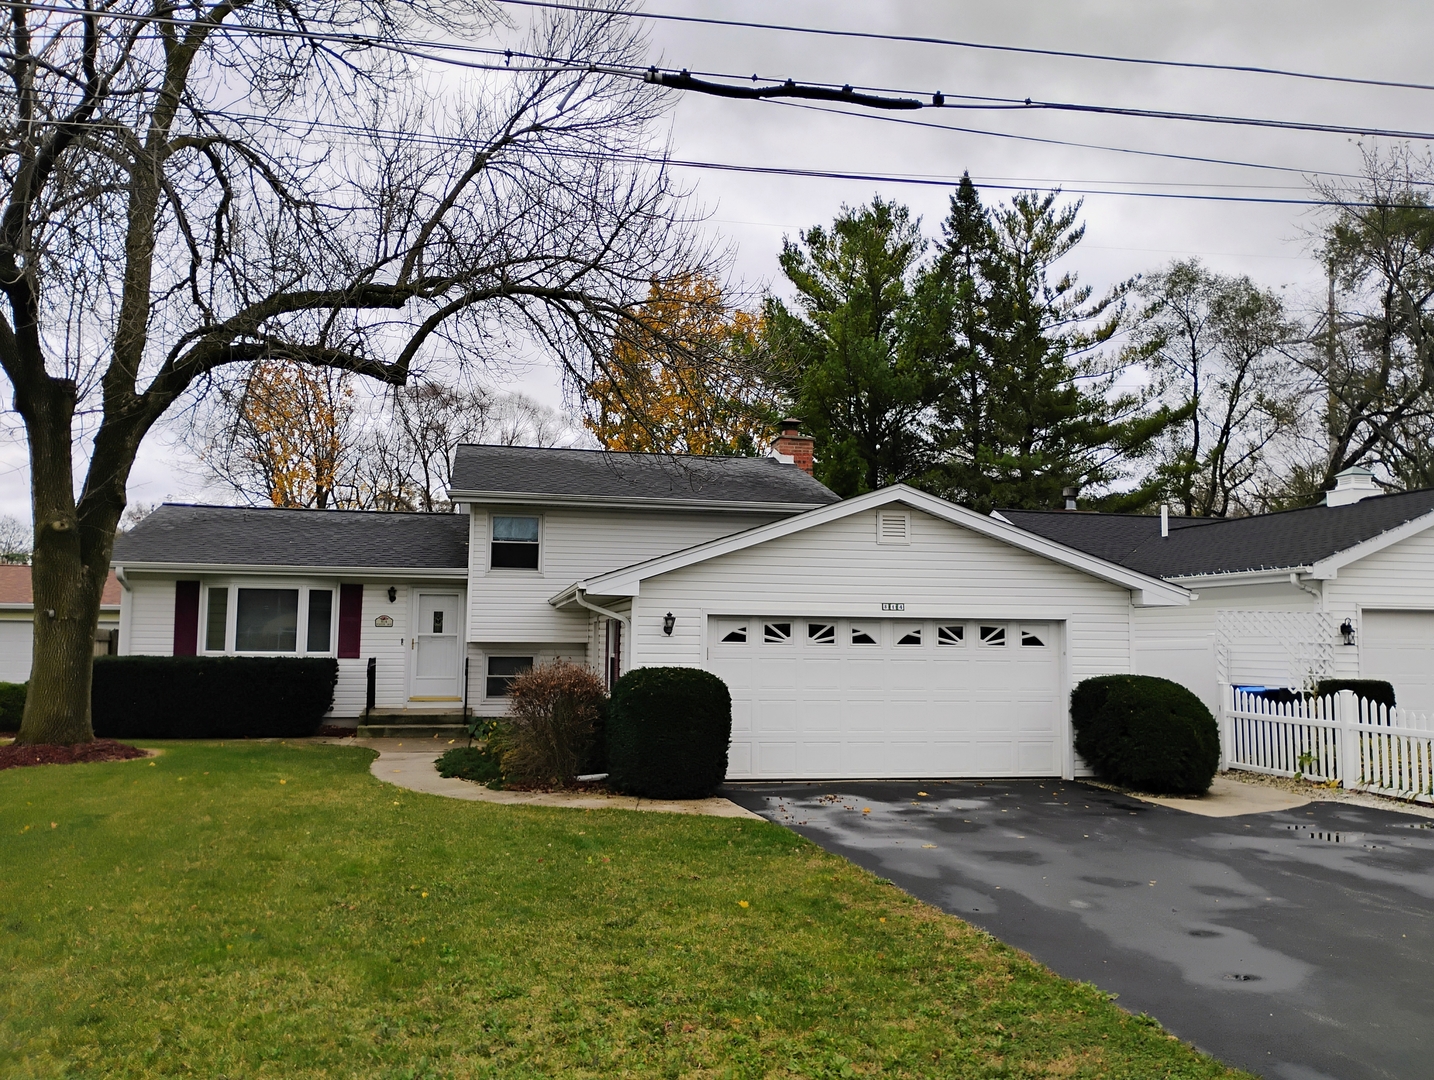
{"x":1318,"y":594}
{"x":581,"y":596}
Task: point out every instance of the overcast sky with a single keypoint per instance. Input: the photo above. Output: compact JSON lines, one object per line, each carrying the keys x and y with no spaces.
{"x":1125,"y":235}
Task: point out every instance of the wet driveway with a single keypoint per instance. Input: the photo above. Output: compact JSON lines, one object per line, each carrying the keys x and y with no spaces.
{"x":1297,"y":944}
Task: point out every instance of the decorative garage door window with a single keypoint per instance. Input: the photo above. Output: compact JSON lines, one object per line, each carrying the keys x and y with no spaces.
{"x":733,"y":633}
{"x":860,"y":635}
{"x":993,"y":636}
{"x":821,"y":633}
{"x":908,"y":635}
{"x":951,"y":634}
{"x":776,"y":633}
{"x":1031,"y":640}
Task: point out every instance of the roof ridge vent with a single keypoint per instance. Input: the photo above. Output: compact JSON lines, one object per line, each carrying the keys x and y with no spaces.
{"x":1350,"y":486}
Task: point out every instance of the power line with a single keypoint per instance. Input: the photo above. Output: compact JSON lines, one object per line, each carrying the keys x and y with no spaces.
{"x":919,"y":39}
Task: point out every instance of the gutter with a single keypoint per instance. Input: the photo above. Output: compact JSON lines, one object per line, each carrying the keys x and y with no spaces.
{"x":1318,"y":594}
{"x":124,"y":582}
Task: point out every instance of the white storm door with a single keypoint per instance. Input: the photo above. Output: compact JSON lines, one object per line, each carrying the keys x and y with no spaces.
{"x":434,"y":652}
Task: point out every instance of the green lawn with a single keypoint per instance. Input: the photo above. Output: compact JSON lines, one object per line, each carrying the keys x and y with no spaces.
{"x":263,"y":910}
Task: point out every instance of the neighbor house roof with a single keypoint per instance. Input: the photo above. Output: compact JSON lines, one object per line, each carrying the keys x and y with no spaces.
{"x":205,"y":536}
{"x":15,"y":589}
{"x":1288,"y":540}
{"x":515,"y":474}
{"x":1146,"y":590}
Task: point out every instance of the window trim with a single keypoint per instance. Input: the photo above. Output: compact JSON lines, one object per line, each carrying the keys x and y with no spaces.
{"x":488,"y":675}
{"x":232,"y":585}
{"x":489,"y":568}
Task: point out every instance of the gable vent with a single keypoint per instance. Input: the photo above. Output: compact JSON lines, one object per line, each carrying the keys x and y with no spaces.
{"x":893,"y":527}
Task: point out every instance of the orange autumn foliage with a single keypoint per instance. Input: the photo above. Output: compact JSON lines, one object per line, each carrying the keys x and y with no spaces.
{"x":684,"y":376}
{"x":294,"y":422}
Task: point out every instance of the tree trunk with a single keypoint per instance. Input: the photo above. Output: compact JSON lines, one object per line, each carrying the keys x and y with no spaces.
{"x":68,"y":573}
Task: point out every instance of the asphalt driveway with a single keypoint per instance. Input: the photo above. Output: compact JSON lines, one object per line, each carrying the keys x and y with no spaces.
{"x":1297,"y":944}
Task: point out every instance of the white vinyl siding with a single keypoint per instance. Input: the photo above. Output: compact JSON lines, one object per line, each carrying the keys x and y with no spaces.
{"x":512,"y":605}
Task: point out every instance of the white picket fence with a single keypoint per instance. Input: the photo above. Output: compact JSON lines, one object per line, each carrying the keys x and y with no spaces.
{"x":1362,"y":745}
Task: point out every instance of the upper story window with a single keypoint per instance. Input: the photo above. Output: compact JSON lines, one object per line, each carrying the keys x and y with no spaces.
{"x":515,"y":543}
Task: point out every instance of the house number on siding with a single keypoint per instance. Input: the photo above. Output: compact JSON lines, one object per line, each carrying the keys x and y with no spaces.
{"x":893,"y":607}
{"x":383,"y":620}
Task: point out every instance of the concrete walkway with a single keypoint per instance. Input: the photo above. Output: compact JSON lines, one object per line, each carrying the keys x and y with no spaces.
{"x":409,"y":764}
{"x":1227,"y":797}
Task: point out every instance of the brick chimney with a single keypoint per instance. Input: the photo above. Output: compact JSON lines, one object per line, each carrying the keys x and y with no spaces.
{"x":794,"y":448}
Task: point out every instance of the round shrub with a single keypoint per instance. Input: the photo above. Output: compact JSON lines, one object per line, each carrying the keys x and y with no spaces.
{"x":1145,"y":733}
{"x":548,"y":732}
{"x":668,"y":729}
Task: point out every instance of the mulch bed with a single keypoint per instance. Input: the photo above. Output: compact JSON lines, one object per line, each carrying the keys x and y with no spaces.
{"x":13,"y":757}
{"x":336,"y":731}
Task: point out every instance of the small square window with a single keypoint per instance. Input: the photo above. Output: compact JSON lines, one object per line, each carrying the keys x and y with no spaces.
{"x":502,"y":670}
{"x":911,"y":637}
{"x":1031,"y":641}
{"x":515,"y":543}
{"x":994,"y":636}
{"x":821,"y":633}
{"x":951,"y":634}
{"x":861,"y":637}
{"x":776,"y":633}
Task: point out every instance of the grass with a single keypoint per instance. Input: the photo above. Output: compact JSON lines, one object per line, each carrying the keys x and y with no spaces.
{"x":270,"y":910}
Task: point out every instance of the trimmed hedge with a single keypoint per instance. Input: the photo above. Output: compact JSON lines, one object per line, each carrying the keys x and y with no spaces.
{"x":211,"y":697}
{"x":668,"y":729}
{"x":1145,"y":733}
{"x":1376,"y":690}
{"x":12,"y":704}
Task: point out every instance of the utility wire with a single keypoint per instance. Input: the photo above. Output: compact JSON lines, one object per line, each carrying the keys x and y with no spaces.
{"x":918,"y":39}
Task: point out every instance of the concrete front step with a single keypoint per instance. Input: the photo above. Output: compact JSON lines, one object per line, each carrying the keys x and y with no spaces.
{"x":412,"y":726}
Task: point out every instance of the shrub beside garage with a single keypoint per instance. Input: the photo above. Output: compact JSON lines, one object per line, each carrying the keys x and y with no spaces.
{"x":211,"y":697}
{"x":1145,"y":733}
{"x":668,"y":729}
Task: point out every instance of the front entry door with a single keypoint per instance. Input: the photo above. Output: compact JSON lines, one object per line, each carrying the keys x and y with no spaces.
{"x":434,"y":663}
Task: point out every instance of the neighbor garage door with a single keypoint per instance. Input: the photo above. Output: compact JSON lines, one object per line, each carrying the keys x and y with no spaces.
{"x":1398,"y":646}
{"x":817,"y":698}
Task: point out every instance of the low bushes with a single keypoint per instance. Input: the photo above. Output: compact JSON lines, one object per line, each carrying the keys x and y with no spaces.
{"x":553,"y":711}
{"x":1376,"y":690}
{"x":1145,"y":733}
{"x":211,"y":697}
{"x":668,"y":729}
{"x":477,"y":763}
{"x":12,"y":704}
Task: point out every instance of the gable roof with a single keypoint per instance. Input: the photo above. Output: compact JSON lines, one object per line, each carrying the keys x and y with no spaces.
{"x":1196,"y":547}
{"x":516,"y":474}
{"x":626,"y":581}
{"x":215,"y":536}
{"x":16,"y":590}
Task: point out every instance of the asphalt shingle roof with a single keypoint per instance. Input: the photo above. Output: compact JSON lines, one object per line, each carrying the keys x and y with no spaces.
{"x":250,"y":536}
{"x":1287,"y":539}
{"x":603,"y":474}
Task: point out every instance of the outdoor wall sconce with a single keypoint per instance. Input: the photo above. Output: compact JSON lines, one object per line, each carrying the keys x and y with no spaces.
{"x":1346,"y":630}
{"x":392,"y":593}
{"x":668,"y":622}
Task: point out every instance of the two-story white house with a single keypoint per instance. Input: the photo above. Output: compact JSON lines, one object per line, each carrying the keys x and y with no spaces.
{"x":893,"y":634}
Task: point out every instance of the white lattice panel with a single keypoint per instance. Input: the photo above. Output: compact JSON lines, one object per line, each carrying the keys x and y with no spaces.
{"x":1274,"y":648}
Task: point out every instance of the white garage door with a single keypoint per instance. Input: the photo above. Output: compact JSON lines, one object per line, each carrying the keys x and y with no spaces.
{"x":842,"y":698}
{"x":16,"y":646}
{"x":1398,"y":646}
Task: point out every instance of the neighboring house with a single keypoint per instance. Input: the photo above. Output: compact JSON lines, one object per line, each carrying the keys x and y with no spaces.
{"x":893,"y":634}
{"x":17,"y":622}
{"x":1340,"y":590}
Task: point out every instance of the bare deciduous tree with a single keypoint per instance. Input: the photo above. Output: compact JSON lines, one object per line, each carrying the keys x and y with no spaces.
{"x":188,"y":187}
{"x":1216,"y":348}
{"x":1372,"y":352}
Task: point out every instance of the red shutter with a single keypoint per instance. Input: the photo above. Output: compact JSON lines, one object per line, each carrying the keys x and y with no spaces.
{"x":350,"y":620}
{"x":186,"y":618}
